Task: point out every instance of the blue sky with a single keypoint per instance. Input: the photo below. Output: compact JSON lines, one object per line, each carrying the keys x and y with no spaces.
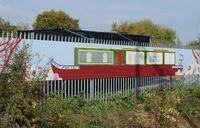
{"x":98,"y":15}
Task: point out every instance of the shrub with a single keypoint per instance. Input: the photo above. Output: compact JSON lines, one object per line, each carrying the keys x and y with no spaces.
{"x":163,"y":105}
{"x":189,"y":106}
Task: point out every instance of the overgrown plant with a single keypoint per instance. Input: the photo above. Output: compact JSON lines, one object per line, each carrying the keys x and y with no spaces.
{"x":18,"y":98}
{"x":189,"y":106}
{"x":163,"y":105}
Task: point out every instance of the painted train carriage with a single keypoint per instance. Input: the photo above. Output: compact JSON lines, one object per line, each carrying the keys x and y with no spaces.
{"x":117,"y":63}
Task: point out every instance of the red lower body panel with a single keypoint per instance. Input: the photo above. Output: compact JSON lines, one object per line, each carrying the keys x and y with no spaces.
{"x":91,"y":72}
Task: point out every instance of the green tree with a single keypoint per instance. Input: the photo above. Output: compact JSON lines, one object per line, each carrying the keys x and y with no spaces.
{"x":159,"y":34}
{"x":194,"y":44}
{"x":18,"y":98}
{"x":6,"y":26}
{"x":55,"y":20}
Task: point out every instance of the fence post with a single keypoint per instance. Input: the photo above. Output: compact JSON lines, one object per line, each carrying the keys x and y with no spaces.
{"x":91,"y":89}
{"x":170,"y":82}
{"x":136,"y":88}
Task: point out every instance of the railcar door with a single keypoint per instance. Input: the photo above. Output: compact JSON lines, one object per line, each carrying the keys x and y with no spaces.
{"x":120,"y":57}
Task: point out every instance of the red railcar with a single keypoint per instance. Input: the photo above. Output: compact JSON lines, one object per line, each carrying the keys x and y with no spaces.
{"x":93,"y":63}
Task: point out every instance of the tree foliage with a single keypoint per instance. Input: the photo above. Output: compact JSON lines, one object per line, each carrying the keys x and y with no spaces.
{"x":6,"y":26}
{"x":194,"y":44}
{"x":55,"y":20}
{"x":158,"y":33}
{"x":18,"y":98}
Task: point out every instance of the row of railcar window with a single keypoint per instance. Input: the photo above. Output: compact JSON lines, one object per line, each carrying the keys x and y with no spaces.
{"x":96,"y":56}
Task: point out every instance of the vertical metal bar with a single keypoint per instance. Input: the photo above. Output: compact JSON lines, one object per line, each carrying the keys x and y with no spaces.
{"x":103,"y":90}
{"x":78,"y":40}
{"x":91,"y":90}
{"x":114,"y":86}
{"x":171,"y":83}
{"x":52,"y":84}
{"x":84,"y":89}
{"x":72,"y":88}
{"x":55,"y":37}
{"x":59,"y":90}
{"x":24,"y":36}
{"x":11,"y":35}
{"x":75,"y":88}
{"x":40,"y":36}
{"x":129,"y":85}
{"x":78,"y":88}
{"x":132,"y":85}
{"x":20,"y":35}
{"x":65,"y":89}
{"x":48,"y":37}
{"x":68,"y":88}
{"x":106,"y":90}
{"x":47,"y":88}
{"x":81,"y":86}
{"x":88,"y":83}
{"x":111,"y":87}
{"x":136,"y":92}
{"x":58,"y":39}
{"x":98,"y":93}
{"x":149,"y":82}
{"x":62,"y":38}
{"x":51,"y":37}
{"x":95,"y":88}
{"x":44,"y":36}
{"x":117,"y":86}
{"x":124,"y":86}
{"x":62,"y":89}
{"x":145,"y":83}
{"x":120,"y":86}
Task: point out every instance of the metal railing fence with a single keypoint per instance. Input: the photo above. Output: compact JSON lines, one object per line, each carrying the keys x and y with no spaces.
{"x":61,"y":38}
{"x":102,"y":89}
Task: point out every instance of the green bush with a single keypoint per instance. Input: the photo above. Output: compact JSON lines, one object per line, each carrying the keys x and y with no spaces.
{"x":190,"y":103}
{"x":163,"y":105}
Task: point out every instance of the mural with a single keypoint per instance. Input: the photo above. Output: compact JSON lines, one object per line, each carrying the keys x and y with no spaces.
{"x":170,"y":58}
{"x":191,"y":66}
{"x":154,"y":58}
{"x":65,"y":54}
{"x":93,"y":56}
{"x":135,"y":57}
{"x":41,"y":73}
{"x":7,"y":47}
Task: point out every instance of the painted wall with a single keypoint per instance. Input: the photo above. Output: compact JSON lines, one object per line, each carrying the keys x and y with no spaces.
{"x":63,"y":53}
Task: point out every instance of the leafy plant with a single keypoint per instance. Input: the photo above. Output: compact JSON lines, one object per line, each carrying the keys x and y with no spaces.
{"x":163,"y":105}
